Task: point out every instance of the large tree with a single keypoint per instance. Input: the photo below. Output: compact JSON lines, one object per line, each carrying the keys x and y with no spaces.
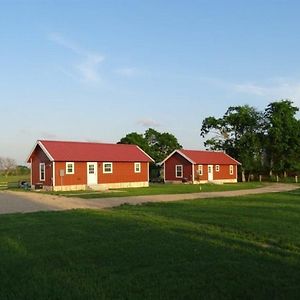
{"x":7,"y":165}
{"x":158,"y":145}
{"x":238,"y":133}
{"x":282,"y":137}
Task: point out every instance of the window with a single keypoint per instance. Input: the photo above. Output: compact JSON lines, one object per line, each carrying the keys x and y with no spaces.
{"x":69,"y":168}
{"x":137,"y":167}
{"x":107,"y":168}
{"x":91,"y":169}
{"x":42,"y":172}
{"x":231,"y":169}
{"x":178,"y":171}
{"x":200,"y":170}
{"x":217,"y":168}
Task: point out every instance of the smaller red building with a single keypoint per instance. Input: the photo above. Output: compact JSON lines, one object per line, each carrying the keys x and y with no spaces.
{"x":200,"y":167}
{"x":61,"y":165}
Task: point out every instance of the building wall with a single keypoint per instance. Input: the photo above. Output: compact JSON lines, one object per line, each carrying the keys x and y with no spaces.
{"x":40,"y":157}
{"x":177,"y":159}
{"x":169,"y":168}
{"x":122,"y":172}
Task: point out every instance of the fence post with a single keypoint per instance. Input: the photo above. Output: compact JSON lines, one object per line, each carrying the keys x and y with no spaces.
{"x":296,"y":179}
{"x":277,"y":178}
{"x":259,"y":178}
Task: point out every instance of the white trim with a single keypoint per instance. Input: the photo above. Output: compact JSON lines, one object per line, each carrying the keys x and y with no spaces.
{"x":73,"y":167}
{"x":53,"y":173}
{"x":103,"y":168}
{"x":200,"y":170}
{"x":30,"y":171}
{"x":148,"y":172}
{"x":139,"y":168}
{"x":210,"y":173}
{"x":95,"y":174}
{"x":217,"y":168}
{"x":181,"y":171}
{"x":40,"y":168}
{"x":178,"y":151}
{"x":43,"y":148}
{"x":231,"y":171}
{"x":193,"y":172}
{"x":145,"y":153}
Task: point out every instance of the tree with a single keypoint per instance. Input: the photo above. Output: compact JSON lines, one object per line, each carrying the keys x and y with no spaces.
{"x":283,"y":137}
{"x":158,"y":145}
{"x":239,"y":133}
{"x":7,"y":165}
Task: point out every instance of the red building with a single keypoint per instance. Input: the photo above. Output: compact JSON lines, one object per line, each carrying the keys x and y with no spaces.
{"x":60,"y":165}
{"x":200,"y":167}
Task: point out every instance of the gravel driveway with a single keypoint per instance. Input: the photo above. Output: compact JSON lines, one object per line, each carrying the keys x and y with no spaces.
{"x":23,"y":202}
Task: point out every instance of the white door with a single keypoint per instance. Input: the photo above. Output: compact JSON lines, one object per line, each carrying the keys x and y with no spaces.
{"x":210,"y":174}
{"x":92,"y":174}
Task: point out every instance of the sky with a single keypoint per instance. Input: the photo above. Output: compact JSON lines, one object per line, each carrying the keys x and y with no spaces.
{"x":97,"y":70}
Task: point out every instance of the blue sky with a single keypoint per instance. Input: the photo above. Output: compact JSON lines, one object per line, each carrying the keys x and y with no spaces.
{"x":96,"y":70}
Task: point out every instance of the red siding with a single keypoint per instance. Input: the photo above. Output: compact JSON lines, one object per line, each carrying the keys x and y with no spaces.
{"x":222,"y":174}
{"x":170,"y":164}
{"x":122,"y":172}
{"x":40,"y":157}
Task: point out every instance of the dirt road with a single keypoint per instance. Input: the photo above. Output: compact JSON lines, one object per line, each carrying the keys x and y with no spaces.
{"x":23,"y":202}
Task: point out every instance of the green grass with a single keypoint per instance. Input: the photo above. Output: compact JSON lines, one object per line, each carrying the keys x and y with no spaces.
{"x":161,"y":189}
{"x":12,"y":181}
{"x":229,"y":248}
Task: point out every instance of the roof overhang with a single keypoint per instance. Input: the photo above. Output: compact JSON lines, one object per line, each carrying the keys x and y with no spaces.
{"x":39,"y":143}
{"x":180,"y":153}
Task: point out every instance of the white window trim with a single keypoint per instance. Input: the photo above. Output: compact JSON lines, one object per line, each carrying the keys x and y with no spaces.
{"x":200,"y":170}
{"x":231,"y":170}
{"x":73,"y":167}
{"x":217,"y":168}
{"x":111,"y":168}
{"x":139,"y":166}
{"x":44,"y":166}
{"x":181,"y":171}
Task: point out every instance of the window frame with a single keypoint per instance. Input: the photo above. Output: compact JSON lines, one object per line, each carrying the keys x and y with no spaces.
{"x":181,"y":166}
{"x":73,"y":167}
{"x":139,"y":166}
{"x":111,"y":168}
{"x":42,"y":165}
{"x":217,"y":168}
{"x":231,"y":170}
{"x":200,"y":170}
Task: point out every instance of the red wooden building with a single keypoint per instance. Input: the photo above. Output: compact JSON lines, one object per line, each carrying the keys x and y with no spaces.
{"x":200,"y":167}
{"x":61,"y":165}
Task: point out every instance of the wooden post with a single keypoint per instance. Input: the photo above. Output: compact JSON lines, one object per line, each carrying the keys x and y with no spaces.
{"x":296,"y":179}
{"x":277,"y":178}
{"x":259,"y":178}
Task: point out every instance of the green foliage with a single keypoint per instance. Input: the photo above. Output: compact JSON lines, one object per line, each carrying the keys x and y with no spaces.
{"x":283,"y":136}
{"x":268,"y":140}
{"x":158,"y":145}
{"x":233,"y":248}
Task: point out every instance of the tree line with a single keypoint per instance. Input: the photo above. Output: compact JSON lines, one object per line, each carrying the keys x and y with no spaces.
{"x":264,"y":142}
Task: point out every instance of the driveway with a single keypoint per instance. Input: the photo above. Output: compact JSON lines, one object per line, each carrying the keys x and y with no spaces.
{"x":23,"y":202}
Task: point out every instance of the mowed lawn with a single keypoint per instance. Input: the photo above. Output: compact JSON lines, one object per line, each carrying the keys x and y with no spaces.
{"x":229,"y":248}
{"x":161,"y":189}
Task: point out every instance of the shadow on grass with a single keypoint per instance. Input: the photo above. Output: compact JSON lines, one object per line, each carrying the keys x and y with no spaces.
{"x":184,"y":250}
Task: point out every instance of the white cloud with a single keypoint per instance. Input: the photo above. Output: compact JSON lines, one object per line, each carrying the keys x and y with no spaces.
{"x":88,"y":68}
{"x":276,"y":89}
{"x":148,"y":123}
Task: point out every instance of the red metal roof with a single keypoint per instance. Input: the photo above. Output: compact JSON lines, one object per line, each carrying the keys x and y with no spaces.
{"x":208,"y":157}
{"x":85,"y":151}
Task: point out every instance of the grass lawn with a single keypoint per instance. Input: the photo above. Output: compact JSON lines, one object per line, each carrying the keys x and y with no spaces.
{"x":161,"y":189}
{"x":227,"y":248}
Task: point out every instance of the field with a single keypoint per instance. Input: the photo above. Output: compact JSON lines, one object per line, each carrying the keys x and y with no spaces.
{"x":12,"y":181}
{"x":229,"y":248}
{"x":161,"y":189}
